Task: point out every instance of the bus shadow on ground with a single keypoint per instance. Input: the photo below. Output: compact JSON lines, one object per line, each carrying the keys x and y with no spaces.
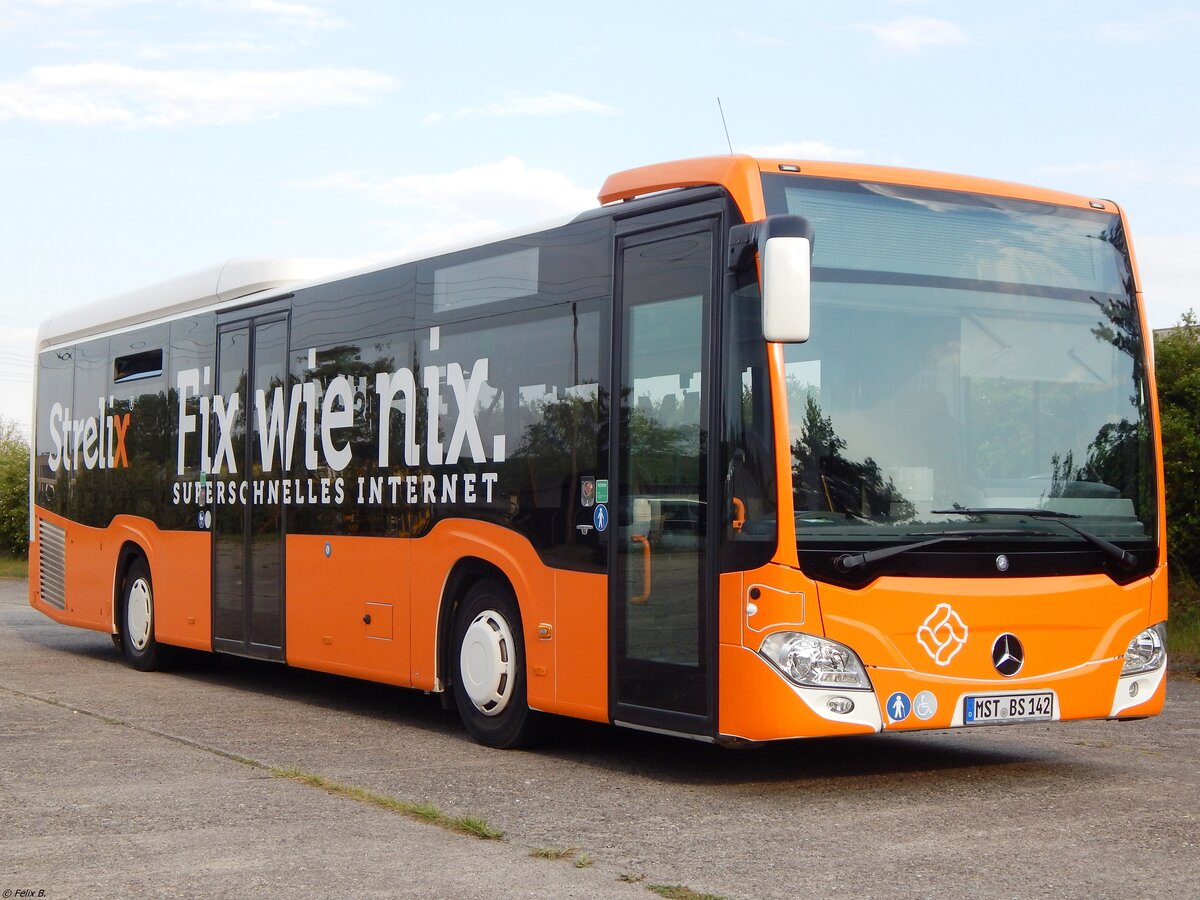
{"x":682,"y":761}
{"x":396,"y":705}
{"x":662,"y":758}
{"x":658,"y":757}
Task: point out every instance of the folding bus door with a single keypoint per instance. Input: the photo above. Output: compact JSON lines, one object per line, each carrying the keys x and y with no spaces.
{"x":248,"y":602}
{"x":663,"y":646}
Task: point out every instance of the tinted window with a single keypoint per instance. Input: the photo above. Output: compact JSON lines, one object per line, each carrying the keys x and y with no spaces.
{"x":491,"y":409}
{"x":55,"y":386}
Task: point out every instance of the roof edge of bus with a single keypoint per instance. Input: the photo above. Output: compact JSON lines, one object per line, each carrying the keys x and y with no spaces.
{"x":239,"y":278}
{"x":740,"y":174}
{"x":932,"y":178}
{"x":227,"y":281}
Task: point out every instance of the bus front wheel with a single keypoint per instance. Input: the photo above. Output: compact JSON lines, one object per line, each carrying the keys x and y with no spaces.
{"x":142,"y":651}
{"x":489,"y":667}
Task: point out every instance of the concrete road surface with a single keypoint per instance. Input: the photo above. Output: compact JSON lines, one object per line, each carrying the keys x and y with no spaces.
{"x":118,"y":783}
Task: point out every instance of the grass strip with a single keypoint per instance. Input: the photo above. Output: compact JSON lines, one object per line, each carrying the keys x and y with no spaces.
{"x":1183,"y":628}
{"x":679,"y":892}
{"x":422,"y":812}
{"x":13,"y":566}
{"x":554,"y":852}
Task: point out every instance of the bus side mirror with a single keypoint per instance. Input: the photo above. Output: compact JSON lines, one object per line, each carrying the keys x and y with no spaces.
{"x":784,"y":244}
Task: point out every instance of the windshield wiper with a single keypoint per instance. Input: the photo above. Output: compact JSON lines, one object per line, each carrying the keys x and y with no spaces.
{"x":1123,"y":557}
{"x":848,"y":562}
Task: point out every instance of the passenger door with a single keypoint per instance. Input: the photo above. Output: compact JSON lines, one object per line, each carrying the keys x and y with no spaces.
{"x":663,"y":611}
{"x":248,"y":530}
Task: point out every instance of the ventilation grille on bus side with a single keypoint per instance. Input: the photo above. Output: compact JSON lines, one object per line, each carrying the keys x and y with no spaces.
{"x":52,"y":564}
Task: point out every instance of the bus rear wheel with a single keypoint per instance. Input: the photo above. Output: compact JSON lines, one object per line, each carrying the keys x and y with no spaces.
{"x":137,"y":640}
{"x":489,"y":667}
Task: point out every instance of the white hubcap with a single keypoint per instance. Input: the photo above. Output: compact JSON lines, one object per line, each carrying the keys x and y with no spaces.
{"x":486,"y":663}
{"x":137,"y":614}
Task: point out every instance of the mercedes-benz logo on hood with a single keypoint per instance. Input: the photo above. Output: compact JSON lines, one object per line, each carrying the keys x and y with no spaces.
{"x":1008,"y":656}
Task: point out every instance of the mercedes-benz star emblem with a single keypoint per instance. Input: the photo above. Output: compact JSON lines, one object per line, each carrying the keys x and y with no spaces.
{"x":1008,"y":655}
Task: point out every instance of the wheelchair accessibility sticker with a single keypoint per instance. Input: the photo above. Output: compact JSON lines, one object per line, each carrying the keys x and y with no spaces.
{"x":924,"y":705}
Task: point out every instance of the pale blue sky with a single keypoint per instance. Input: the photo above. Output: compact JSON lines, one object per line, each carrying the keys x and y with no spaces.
{"x":143,"y":139}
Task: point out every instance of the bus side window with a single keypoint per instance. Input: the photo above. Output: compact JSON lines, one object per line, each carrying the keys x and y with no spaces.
{"x":747,"y":434}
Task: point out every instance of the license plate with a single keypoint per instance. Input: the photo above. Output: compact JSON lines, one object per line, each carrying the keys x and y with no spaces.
{"x":998,"y":709}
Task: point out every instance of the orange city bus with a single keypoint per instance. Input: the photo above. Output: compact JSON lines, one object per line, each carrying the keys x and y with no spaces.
{"x":756,"y":449}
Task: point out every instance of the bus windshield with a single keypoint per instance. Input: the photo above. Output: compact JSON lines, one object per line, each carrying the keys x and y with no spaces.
{"x":967,"y":352}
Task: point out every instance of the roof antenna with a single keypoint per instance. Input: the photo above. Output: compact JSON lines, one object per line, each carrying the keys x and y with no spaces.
{"x":724,"y":125}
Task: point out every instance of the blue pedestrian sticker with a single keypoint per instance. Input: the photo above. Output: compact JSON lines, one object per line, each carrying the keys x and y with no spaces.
{"x":600,"y":517}
{"x":898,"y":706}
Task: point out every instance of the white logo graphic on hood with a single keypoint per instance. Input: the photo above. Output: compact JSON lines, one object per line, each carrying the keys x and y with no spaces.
{"x":942,"y":634}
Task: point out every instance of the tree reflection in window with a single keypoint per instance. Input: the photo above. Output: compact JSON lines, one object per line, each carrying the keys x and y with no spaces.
{"x":826,"y":481}
{"x":564,"y":441}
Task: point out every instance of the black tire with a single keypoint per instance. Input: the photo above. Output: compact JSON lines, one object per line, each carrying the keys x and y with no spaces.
{"x":137,"y":641}
{"x":488,"y":667}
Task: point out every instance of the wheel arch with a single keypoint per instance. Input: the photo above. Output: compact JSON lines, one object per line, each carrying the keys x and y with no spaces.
{"x":466,"y":572}
{"x":130,"y":550}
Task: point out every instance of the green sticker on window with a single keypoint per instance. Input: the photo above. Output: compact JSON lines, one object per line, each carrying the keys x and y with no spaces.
{"x":601,"y":490}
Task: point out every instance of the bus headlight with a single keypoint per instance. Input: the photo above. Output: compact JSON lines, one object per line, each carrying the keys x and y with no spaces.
{"x":1147,"y":651}
{"x":815,"y":662}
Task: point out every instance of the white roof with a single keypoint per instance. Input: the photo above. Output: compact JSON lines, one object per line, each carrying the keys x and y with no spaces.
{"x":225,"y":283}
{"x":237,"y":278}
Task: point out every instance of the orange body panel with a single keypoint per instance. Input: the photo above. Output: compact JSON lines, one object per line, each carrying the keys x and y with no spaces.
{"x":786,"y":553}
{"x":580,"y":640}
{"x":1074,"y":629}
{"x":91,"y":555}
{"x":180,"y":565}
{"x":583,"y":686}
{"x":331,"y":596}
{"x":937,"y":635}
{"x":564,"y":614}
{"x":730,"y":607}
{"x":757,"y":704}
{"x":1158,"y":594}
{"x":737,"y":174}
{"x":432,"y":561}
{"x":1063,"y":622}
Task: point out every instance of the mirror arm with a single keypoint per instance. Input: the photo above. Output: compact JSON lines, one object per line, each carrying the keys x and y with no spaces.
{"x":743,"y":244}
{"x":748,"y":239}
